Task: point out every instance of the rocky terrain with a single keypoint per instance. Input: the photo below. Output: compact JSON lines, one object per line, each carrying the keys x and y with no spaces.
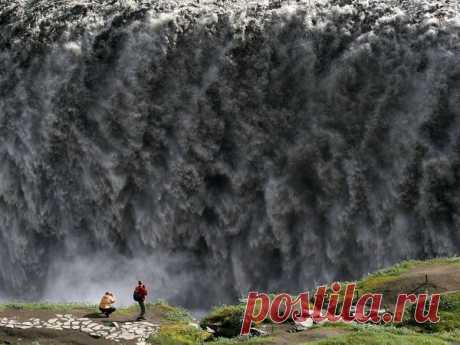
{"x":117,"y":332}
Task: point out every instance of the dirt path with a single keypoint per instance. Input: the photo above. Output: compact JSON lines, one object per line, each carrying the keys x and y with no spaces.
{"x":283,"y":336}
{"x":431,"y":278}
{"x":443,"y":277}
{"x":48,"y":337}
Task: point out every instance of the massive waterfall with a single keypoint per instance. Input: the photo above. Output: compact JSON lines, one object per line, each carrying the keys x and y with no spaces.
{"x":213,"y":147}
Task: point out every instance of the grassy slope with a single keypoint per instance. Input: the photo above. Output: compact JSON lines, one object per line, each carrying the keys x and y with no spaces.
{"x":449,"y":313}
{"x":389,"y":336}
{"x":55,"y":307}
{"x":409,"y":333}
{"x":165,"y":311}
{"x":447,"y":331}
{"x":449,"y":310}
{"x":374,"y":281}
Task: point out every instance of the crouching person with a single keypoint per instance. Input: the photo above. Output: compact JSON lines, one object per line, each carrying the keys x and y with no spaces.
{"x":105,"y":306}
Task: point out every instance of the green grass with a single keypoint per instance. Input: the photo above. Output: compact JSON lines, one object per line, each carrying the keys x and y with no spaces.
{"x":179,"y":333}
{"x":369,"y":338}
{"x":449,"y":314}
{"x":374,"y":335}
{"x":227,"y":317}
{"x":175,"y":328}
{"x":64,"y":307}
{"x":240,"y":341}
{"x":167,"y":312}
{"x":130,"y":310}
{"x":172,"y":313}
{"x":46,"y":306}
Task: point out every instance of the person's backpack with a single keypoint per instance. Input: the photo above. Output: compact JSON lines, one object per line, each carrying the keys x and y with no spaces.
{"x":137,"y":296}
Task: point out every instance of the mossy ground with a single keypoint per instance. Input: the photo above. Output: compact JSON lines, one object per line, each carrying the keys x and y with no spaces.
{"x":179,"y":333}
{"x":58,"y":307}
{"x":375,"y":281}
{"x":449,"y":314}
{"x":375,"y":335}
{"x":406,"y":333}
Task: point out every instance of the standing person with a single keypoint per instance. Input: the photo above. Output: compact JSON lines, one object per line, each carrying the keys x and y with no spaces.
{"x":140,"y":293}
{"x":106,"y":304}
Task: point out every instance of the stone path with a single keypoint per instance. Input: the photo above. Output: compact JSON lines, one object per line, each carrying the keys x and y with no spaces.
{"x":138,"y":331}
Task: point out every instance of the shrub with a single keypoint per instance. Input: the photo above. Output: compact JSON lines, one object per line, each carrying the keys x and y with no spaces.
{"x":179,"y":334}
{"x":225,"y":320}
{"x":376,"y":336}
{"x":171,"y":313}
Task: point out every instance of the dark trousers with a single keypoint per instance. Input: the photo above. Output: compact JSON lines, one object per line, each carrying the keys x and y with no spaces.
{"x":107,"y":311}
{"x":142,"y":306}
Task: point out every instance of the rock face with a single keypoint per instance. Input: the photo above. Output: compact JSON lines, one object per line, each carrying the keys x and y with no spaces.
{"x":215,"y":147}
{"x":138,"y":331}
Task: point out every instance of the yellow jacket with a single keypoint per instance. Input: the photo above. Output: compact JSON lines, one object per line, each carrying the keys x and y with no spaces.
{"x":106,"y":302}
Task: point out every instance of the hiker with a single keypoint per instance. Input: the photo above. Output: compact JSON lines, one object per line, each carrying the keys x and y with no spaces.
{"x":106,"y":304}
{"x":140,"y":293}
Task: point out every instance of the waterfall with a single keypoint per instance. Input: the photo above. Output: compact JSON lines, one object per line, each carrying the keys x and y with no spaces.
{"x":214,"y":147}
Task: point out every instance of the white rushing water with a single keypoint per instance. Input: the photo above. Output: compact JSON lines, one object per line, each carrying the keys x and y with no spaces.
{"x":212,"y":147}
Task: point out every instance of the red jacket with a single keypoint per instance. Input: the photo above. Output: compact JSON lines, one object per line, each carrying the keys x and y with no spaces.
{"x":141,"y":291}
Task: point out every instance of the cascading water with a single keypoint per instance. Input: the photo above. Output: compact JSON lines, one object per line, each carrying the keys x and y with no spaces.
{"x":215,"y":147}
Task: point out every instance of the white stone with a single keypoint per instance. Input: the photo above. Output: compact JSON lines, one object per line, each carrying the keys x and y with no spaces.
{"x":127,"y":336}
{"x":308,"y":323}
{"x":23,"y":327}
{"x":195,"y":325}
{"x":119,"y":331}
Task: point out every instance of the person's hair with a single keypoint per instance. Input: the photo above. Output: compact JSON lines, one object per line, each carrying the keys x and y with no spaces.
{"x":139,"y":282}
{"x":107,"y":293}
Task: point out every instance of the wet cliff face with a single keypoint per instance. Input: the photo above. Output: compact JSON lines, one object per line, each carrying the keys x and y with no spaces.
{"x":211,"y":148}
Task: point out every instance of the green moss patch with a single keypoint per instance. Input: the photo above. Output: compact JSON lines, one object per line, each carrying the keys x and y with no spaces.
{"x":46,"y":306}
{"x":179,"y":334}
{"x":226,"y":320}
{"x":387,"y":336}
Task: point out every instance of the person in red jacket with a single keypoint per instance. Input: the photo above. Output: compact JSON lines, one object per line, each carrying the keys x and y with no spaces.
{"x":140,"y":293}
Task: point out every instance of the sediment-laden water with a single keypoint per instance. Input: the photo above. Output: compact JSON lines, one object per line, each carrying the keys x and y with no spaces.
{"x":210,"y":148}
